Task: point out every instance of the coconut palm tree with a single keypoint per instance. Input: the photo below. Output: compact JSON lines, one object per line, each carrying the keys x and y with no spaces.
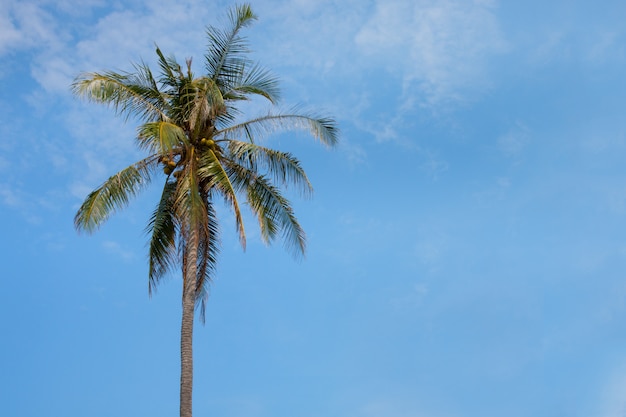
{"x":190,"y":130}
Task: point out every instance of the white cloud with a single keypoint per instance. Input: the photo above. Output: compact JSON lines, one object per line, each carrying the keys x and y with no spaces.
{"x":440,"y":48}
{"x":116,"y":249}
{"x":130,"y":34}
{"x":320,"y":33}
{"x":24,"y":25}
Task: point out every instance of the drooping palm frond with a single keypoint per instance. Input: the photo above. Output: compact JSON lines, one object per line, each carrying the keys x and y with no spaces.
{"x":273,"y":211}
{"x":216,"y":178}
{"x":322,"y":128}
{"x":162,"y":228}
{"x":270,"y":206}
{"x":282,"y":166}
{"x":129,"y":94}
{"x":113,"y":195}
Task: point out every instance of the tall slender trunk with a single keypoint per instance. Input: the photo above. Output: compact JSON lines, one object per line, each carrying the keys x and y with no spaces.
{"x":186,"y":331}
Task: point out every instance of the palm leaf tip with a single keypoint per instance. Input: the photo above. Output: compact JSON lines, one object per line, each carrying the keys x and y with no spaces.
{"x":113,"y":195}
{"x":326,"y":130}
{"x":242,"y":15}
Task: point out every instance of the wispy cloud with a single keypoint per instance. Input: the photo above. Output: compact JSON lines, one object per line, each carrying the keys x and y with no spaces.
{"x":117,"y":250}
{"x":24,"y":25}
{"x":433,"y":52}
{"x":439,"y":48}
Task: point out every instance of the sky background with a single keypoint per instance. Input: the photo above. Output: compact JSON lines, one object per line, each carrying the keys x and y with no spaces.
{"x":466,"y":246}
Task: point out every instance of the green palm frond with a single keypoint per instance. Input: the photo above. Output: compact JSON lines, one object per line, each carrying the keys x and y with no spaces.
{"x":169,"y":67}
{"x":229,"y":116}
{"x":162,"y":228}
{"x":129,"y":94}
{"x":225,"y":58}
{"x":215,"y":177}
{"x":273,"y":210}
{"x":322,"y":128}
{"x":208,"y":250}
{"x":282,"y":166}
{"x":113,"y":195}
{"x":152,"y":90}
{"x":161,"y":137}
{"x":254,"y":81}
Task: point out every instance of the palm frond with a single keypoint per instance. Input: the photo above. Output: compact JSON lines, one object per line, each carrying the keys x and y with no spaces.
{"x":322,"y":128}
{"x":161,"y":137}
{"x":216,"y":178}
{"x":254,"y":81}
{"x":169,"y":67}
{"x":129,"y":94}
{"x":282,"y":166}
{"x":225,"y":57}
{"x":154,"y":93}
{"x":113,"y":195}
{"x":273,"y":210}
{"x":162,"y":227}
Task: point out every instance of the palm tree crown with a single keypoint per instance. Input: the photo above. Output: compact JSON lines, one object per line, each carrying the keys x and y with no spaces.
{"x":190,"y":131}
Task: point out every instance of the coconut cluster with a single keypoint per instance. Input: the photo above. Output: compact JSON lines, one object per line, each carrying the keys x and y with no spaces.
{"x":207,"y":142}
{"x":168,"y":165}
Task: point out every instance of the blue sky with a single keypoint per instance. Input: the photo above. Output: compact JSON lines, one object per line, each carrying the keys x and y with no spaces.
{"x":466,"y":248}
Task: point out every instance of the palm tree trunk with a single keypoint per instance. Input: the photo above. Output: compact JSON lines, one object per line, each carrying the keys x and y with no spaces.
{"x":186,"y":332}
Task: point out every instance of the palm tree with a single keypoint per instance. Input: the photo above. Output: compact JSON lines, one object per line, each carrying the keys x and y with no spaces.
{"x":190,"y":130}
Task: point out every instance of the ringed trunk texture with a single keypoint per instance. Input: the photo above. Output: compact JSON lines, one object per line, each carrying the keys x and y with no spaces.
{"x":186,"y":332}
